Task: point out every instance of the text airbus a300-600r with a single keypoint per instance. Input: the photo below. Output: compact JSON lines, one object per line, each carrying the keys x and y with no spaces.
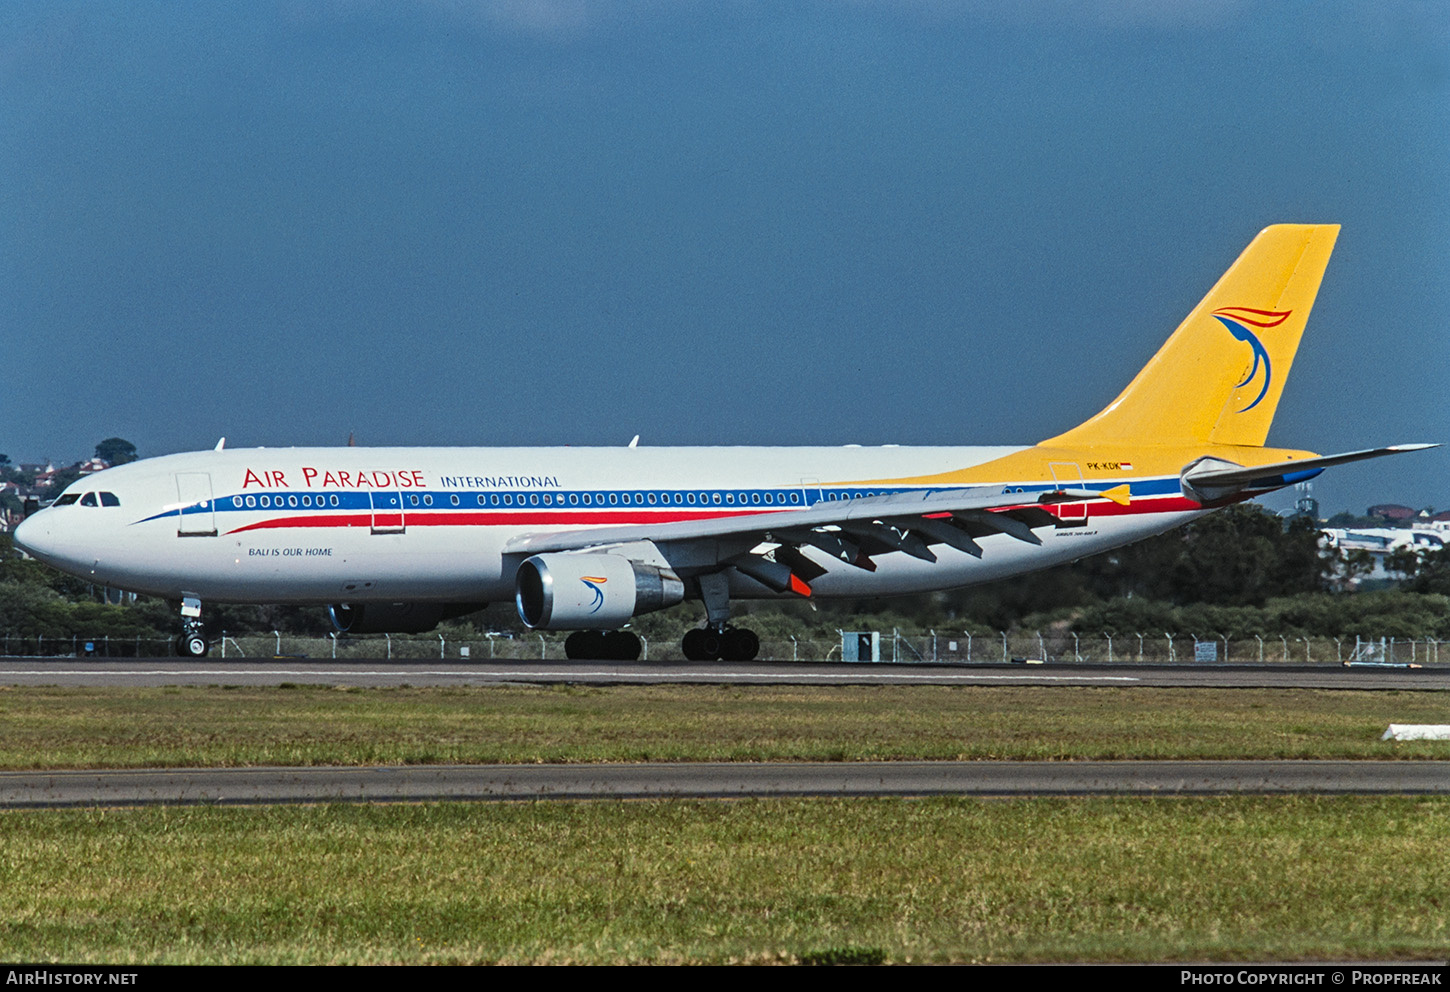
{"x":584,"y":539}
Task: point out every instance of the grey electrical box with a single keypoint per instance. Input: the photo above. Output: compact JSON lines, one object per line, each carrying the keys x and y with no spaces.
{"x":860,"y":645}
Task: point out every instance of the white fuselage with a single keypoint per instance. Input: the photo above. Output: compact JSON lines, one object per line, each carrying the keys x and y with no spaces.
{"x":326,"y":525}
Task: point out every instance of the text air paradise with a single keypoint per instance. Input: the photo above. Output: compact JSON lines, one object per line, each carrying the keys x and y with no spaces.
{"x":316,"y":478}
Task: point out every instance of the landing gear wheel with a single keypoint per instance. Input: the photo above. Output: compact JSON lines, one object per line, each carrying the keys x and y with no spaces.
{"x":607,"y":645}
{"x":731,"y":644}
{"x":710,"y":641}
{"x":192,"y":646}
{"x":584,"y":644}
{"x":739,"y":644}
{"x":693,"y":646}
{"x":621,"y":645}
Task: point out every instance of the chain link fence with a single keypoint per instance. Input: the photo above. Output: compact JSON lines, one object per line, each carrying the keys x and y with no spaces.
{"x":883,"y":646}
{"x":1154,"y":648}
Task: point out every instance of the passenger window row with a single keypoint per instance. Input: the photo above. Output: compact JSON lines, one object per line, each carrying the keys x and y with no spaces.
{"x":267,"y":502}
{"x":777,"y":498}
{"x":594,"y":499}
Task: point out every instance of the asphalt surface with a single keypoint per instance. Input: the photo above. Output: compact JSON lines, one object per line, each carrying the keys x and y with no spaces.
{"x":261,"y":672}
{"x":240,"y":786}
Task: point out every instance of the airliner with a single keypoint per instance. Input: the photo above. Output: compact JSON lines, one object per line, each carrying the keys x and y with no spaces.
{"x":585,"y":539}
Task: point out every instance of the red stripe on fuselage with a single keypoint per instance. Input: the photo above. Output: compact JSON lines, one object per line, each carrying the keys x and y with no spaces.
{"x":318,"y":520}
{"x":1151,"y":504}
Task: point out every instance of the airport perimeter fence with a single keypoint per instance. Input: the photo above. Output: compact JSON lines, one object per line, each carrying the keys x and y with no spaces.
{"x":1068,"y":647}
{"x":865,"y":646}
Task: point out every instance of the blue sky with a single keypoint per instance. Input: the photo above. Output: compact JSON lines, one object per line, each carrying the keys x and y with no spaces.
{"x":569,"y":222}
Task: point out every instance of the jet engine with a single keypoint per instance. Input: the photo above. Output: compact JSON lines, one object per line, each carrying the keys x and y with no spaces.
{"x":394,"y":618}
{"x":591,"y":591}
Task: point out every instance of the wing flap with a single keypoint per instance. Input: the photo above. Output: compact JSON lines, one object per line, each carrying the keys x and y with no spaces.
{"x":798,"y":563}
{"x":912,"y":505}
{"x":947,"y":532}
{"x":850,"y":531}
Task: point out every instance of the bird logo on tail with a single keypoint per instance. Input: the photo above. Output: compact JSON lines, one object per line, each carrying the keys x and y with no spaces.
{"x":1236,"y":320}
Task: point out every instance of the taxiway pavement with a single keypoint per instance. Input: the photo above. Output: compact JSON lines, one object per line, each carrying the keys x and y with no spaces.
{"x":233,"y":786}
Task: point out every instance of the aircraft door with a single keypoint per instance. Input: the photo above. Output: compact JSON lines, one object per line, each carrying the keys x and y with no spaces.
{"x":197,"y":516}
{"x":1068,"y":475}
{"x":388,"y":513}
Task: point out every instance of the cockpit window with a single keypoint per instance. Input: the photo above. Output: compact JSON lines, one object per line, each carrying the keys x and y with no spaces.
{"x":109,"y":499}
{"x":89,"y":499}
{"x":67,"y":499}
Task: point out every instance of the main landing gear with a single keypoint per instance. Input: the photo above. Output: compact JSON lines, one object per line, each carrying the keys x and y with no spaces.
{"x":730,"y":644}
{"x":192,"y":642}
{"x":717,"y":640}
{"x":602,"y":645}
{"x":701,"y":644}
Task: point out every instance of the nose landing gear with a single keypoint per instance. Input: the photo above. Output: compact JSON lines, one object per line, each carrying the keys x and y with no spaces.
{"x":192,"y":642}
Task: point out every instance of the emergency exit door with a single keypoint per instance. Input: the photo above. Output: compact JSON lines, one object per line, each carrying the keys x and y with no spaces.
{"x":1068,"y":475}
{"x":388,"y":513}
{"x":197,"y":515}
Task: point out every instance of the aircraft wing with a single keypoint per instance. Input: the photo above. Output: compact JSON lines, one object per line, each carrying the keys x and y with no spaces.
{"x":850,"y":530}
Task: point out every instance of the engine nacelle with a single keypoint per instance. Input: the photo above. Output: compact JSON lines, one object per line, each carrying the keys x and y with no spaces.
{"x":394,"y":618}
{"x":591,"y":591}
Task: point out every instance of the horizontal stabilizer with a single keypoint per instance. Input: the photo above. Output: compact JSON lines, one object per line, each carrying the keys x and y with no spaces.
{"x":1211,"y":479}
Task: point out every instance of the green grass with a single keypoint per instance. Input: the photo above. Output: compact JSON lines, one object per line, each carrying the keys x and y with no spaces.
{"x":304,"y":725}
{"x":750,"y":881}
{"x":811,"y":881}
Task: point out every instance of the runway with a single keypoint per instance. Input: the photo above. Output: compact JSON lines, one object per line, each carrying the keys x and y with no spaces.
{"x":472,"y":783}
{"x":260,"y":672}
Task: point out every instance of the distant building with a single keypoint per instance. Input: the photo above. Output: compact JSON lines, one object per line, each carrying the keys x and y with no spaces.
{"x":45,"y":475}
{"x":1380,"y":542}
{"x":1390,"y":511}
{"x":36,"y":469}
{"x":9,"y":519}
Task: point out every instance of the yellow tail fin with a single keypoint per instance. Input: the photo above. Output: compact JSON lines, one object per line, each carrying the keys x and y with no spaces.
{"x":1219,"y":377}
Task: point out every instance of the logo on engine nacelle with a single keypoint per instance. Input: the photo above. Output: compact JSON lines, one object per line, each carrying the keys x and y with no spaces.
{"x":594,"y":582}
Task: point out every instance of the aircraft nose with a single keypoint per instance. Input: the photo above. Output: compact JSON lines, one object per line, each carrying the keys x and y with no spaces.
{"x":35,"y":537}
{"x":27,"y":536}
